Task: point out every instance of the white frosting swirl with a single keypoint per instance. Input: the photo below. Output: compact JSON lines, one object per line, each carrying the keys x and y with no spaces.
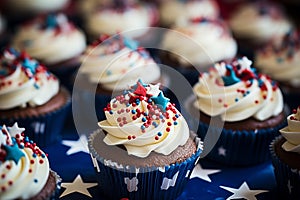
{"x":214,"y":43}
{"x":259,"y":22}
{"x":172,"y":12}
{"x":292,"y":132}
{"x":235,"y":92}
{"x":24,"y":82}
{"x":57,"y":42}
{"x":23,"y":174}
{"x":141,"y":126}
{"x":36,"y":5}
{"x":115,"y":65}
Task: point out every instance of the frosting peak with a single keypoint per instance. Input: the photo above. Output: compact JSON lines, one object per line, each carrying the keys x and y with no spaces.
{"x":143,"y":120}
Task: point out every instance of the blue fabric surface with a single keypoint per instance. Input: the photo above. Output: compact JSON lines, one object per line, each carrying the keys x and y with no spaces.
{"x":212,"y":181}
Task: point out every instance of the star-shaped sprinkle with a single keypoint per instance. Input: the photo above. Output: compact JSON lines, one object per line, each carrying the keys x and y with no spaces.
{"x":231,"y":78}
{"x":140,"y":90}
{"x":141,"y":82}
{"x":77,"y":186}
{"x":13,"y":153}
{"x":15,"y":130}
{"x":243,"y":192}
{"x":154,"y":89}
{"x":79,"y":145}
{"x":222,"y":151}
{"x":30,"y":64}
{"x":201,"y":173}
{"x":245,"y":63}
{"x":161,"y":100}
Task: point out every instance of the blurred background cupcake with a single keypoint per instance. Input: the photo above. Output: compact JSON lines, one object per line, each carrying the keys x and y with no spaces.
{"x":240,"y":109}
{"x":198,"y":44}
{"x":145,"y":141}
{"x":285,"y":151}
{"x":53,"y":40}
{"x":281,"y":61}
{"x":31,"y":96}
{"x":177,"y":11}
{"x":24,"y":167}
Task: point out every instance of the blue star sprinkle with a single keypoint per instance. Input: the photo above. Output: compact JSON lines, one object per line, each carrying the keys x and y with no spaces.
{"x":31,"y":65}
{"x":161,"y":100}
{"x":231,"y":79}
{"x":13,"y":153}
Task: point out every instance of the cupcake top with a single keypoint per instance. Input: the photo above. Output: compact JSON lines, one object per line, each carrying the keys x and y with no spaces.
{"x":292,"y":132}
{"x":172,"y":12}
{"x":118,"y":62}
{"x":281,"y":60}
{"x":259,"y":22}
{"x":24,"y":81}
{"x":121,"y":16}
{"x":235,"y":91}
{"x":50,"y":39}
{"x":24,"y":167}
{"x":211,"y":36}
{"x":143,"y":120}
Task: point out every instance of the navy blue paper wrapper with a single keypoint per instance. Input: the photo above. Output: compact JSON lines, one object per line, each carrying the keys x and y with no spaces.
{"x":239,"y":148}
{"x":288,"y":179}
{"x":117,"y":181}
{"x":45,"y":129}
{"x":56,"y":192}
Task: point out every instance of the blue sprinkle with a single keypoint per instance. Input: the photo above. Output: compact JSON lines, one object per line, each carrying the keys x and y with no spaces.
{"x":236,"y":100}
{"x":149,"y":100}
{"x":144,"y":119}
{"x":35,"y":180}
{"x":146,"y":114}
{"x":36,"y":86}
{"x":43,"y":155}
{"x":26,"y":139}
{"x":31,"y":141}
{"x":133,"y":111}
{"x":111,"y":112}
{"x":176,"y":115}
{"x":34,"y":155}
{"x":137,"y":100}
{"x":143,"y":127}
{"x":161,"y":116}
{"x":21,"y":146}
{"x":154,"y":124}
{"x":244,"y":94}
{"x":159,"y":134}
{"x":247,"y":92}
{"x":175,"y":123}
{"x":108,"y":72}
{"x":127,"y":104}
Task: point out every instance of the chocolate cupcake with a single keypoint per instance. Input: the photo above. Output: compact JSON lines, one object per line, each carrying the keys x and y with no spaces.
{"x":24,"y":167}
{"x":286,"y":156}
{"x":238,"y":109}
{"x":31,"y":96}
{"x":144,"y":149}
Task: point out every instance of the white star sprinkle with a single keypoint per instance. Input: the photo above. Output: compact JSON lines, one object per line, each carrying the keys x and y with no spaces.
{"x":15,"y":129}
{"x":76,"y":146}
{"x":222,"y":151}
{"x":154,"y":89}
{"x":245,"y":63}
{"x":77,"y":186}
{"x":243,"y":192}
{"x":201,"y":173}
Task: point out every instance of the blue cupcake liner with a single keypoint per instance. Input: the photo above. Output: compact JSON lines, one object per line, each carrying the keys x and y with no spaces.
{"x":44,"y":129}
{"x":288,"y":179}
{"x":56,"y":192}
{"x":117,"y":181}
{"x":239,"y":147}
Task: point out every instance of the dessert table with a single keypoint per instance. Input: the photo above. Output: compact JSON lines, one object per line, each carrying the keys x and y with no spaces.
{"x":209,"y":181}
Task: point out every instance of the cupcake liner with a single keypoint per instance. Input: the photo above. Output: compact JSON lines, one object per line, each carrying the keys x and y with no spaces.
{"x":288,"y":179}
{"x":118,"y":181}
{"x":239,"y":147}
{"x":44,"y":129}
{"x":58,"y":180}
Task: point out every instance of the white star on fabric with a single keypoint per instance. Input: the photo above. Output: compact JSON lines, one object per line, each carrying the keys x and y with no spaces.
{"x":243,"y":192}
{"x":80,"y":145}
{"x":77,"y":186}
{"x":154,"y":89}
{"x":15,"y":129}
{"x":201,"y":173}
{"x":222,"y":151}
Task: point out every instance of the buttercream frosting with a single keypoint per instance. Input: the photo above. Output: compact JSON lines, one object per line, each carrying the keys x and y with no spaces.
{"x":259,"y":22}
{"x":24,"y":167}
{"x":172,"y":12}
{"x":215,"y":42}
{"x":281,"y":60}
{"x":117,"y":63}
{"x":143,"y":120}
{"x":235,"y":91}
{"x":292,"y":132}
{"x":51,"y":39}
{"x":24,"y":81}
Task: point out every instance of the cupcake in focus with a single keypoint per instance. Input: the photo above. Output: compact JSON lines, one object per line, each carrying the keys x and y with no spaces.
{"x":193,"y":47}
{"x":24,"y":167}
{"x":241,"y":109}
{"x":53,"y":40}
{"x":31,"y":96}
{"x":173,"y":12}
{"x":143,"y":145}
{"x":113,"y":64}
{"x":281,"y":61}
{"x":285,"y":151}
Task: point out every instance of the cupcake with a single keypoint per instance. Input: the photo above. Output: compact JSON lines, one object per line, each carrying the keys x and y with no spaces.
{"x":238,"y":109}
{"x":31,"y":96}
{"x":144,"y":148}
{"x":53,"y":40}
{"x":112,"y":65}
{"x":172,"y":12}
{"x":24,"y":168}
{"x":286,"y":156}
{"x":280,"y":60}
{"x":196,"y":46}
